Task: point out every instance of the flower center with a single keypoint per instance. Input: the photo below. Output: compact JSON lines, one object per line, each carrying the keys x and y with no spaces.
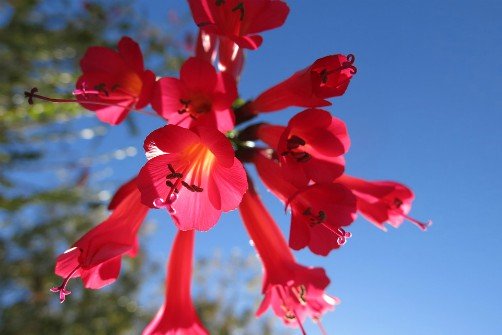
{"x":196,"y":106}
{"x":293,"y":144}
{"x":320,"y":218}
{"x":197,"y":160}
{"x":348,"y":64}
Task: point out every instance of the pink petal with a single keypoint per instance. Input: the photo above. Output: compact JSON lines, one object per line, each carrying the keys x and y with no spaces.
{"x":218,"y":144}
{"x":102,"y":59}
{"x":271,"y":15}
{"x":67,"y":262}
{"x":166,"y":97}
{"x":102,"y":275}
{"x":146,"y":96}
{"x":198,"y":75}
{"x":169,"y":139}
{"x":195,"y":211}
{"x":131,"y":53}
{"x":231,"y":184}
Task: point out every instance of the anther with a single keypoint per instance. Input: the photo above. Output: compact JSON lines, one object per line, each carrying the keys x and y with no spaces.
{"x":63,"y":292}
{"x":300,"y":293}
{"x":30,"y":95}
{"x":220,"y":2}
{"x":185,"y":102}
{"x":294,"y":142}
{"x":197,"y":188}
{"x":102,"y":88}
{"x":301,"y":156}
{"x":174,"y":175}
{"x":398,"y":202}
{"x":239,"y":7}
{"x":187,"y":186}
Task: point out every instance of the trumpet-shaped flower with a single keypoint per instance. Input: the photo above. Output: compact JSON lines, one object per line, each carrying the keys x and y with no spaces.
{"x":294,"y":292}
{"x":318,"y":212}
{"x":239,"y":20}
{"x":383,"y":202}
{"x":193,"y":173}
{"x":96,"y":256}
{"x":114,"y":82}
{"x":310,"y":147}
{"x":327,"y":77}
{"x":200,"y":97}
{"x":177,"y":316}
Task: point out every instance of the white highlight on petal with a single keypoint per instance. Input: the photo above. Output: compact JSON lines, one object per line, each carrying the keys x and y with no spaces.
{"x":206,"y":41}
{"x":331,"y":300}
{"x":69,"y":250}
{"x":153,"y":151}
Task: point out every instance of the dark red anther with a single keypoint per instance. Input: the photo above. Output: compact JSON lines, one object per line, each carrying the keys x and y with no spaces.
{"x":398,"y":202}
{"x":197,"y":188}
{"x":294,"y":142}
{"x":301,"y":157}
{"x":30,"y":95}
{"x":239,"y":7}
{"x":187,"y":186}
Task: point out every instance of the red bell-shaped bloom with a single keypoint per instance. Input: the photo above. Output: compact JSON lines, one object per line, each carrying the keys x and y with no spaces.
{"x":96,"y":256}
{"x":326,"y":78}
{"x":383,"y":201}
{"x":239,"y":20}
{"x":310,"y":147}
{"x":294,"y":292}
{"x":230,"y":55}
{"x":193,"y":173}
{"x":200,"y":97}
{"x":114,"y":82}
{"x":177,"y":316}
{"x":319,"y":211}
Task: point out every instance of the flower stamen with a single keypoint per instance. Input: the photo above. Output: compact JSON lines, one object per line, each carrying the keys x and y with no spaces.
{"x":63,"y":292}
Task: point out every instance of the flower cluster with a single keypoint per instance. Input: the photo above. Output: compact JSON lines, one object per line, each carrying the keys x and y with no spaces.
{"x":196,"y":164}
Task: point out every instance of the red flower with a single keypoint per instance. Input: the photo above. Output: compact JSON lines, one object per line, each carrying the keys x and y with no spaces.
{"x":383,"y":201}
{"x":325,"y":78}
{"x":114,"y":82}
{"x":177,"y":315}
{"x":96,"y":257}
{"x":310,"y":147}
{"x":319,"y":211}
{"x":200,"y":97}
{"x":193,"y":173}
{"x":293,"y":291}
{"x":239,"y":20}
{"x":230,"y":55}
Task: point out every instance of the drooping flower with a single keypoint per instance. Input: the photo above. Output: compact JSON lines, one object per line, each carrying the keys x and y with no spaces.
{"x":239,"y":20}
{"x":230,"y":55}
{"x":310,"y":147}
{"x":114,"y":82}
{"x":318,"y":212}
{"x":294,"y":292}
{"x":327,"y":77}
{"x":193,"y":173}
{"x":383,"y":202}
{"x":96,"y":257}
{"x":200,"y":97}
{"x":177,"y":316}
{"x":205,"y":47}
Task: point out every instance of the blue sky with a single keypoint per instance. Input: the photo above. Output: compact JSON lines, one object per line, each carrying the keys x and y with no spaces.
{"x":425,"y":108}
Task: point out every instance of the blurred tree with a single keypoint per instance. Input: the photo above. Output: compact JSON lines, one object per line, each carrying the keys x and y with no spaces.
{"x":44,"y":207}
